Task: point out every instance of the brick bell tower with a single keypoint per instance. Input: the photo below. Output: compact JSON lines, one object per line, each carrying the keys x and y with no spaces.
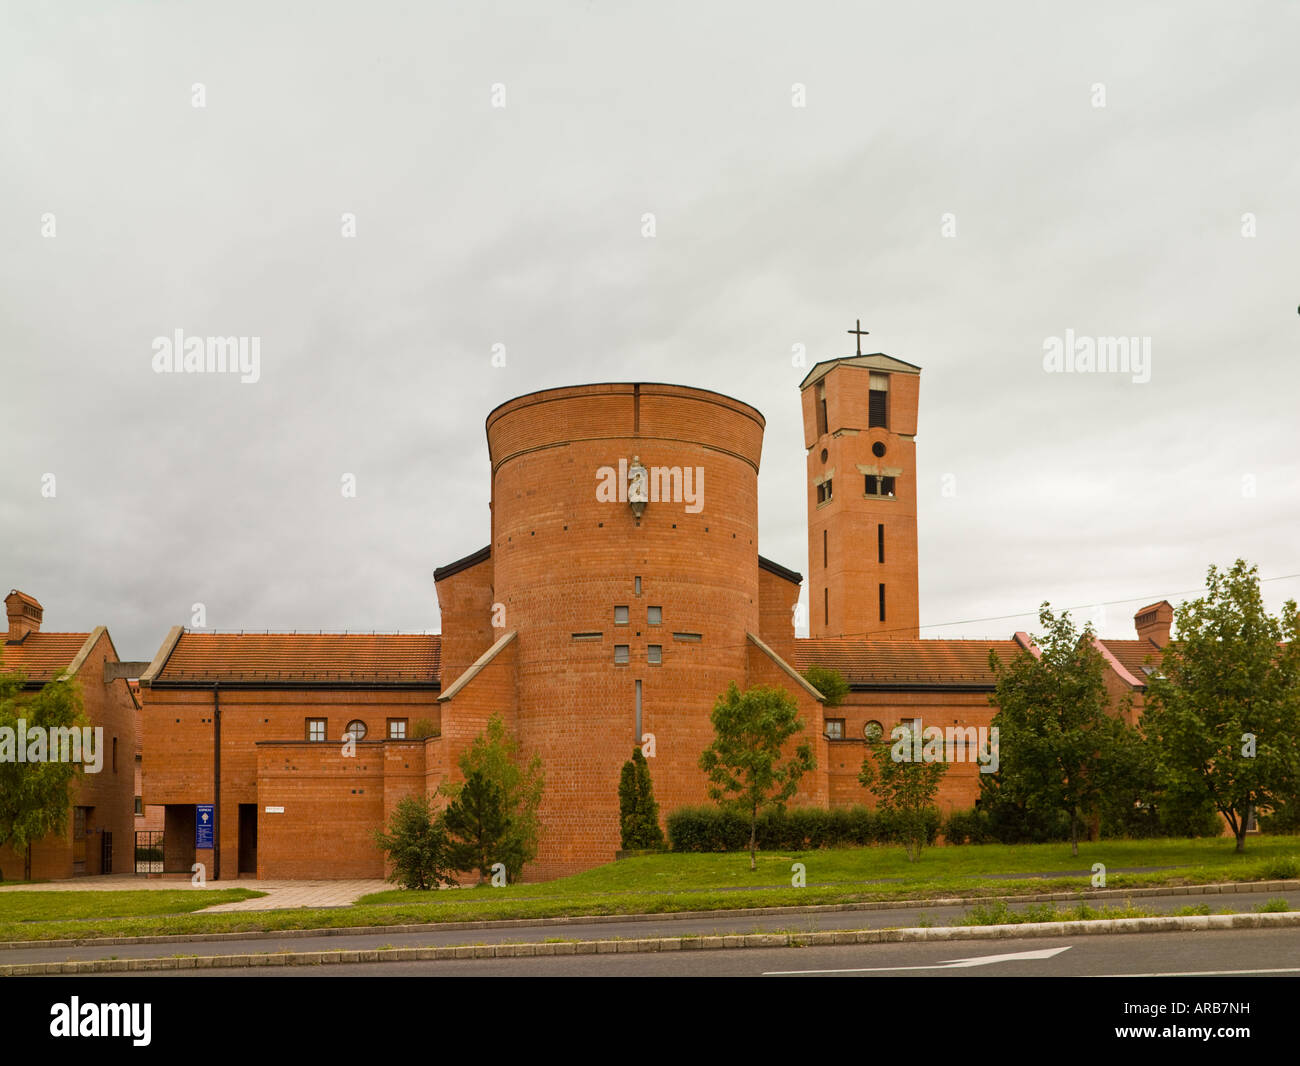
{"x":859,"y":419}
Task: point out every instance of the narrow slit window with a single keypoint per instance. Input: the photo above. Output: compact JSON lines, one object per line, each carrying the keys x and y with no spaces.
{"x":882,"y":602}
{"x":880,"y":543}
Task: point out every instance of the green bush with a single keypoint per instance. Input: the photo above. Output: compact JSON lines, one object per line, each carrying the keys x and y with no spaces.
{"x":1170,"y":816}
{"x":417,"y":846}
{"x":707,"y":829}
{"x":967,"y":827}
{"x":1006,"y":822}
{"x":638,"y":812}
{"x":1285,"y":819}
{"x":795,"y":829}
{"x":830,"y":683}
{"x":891,"y":826}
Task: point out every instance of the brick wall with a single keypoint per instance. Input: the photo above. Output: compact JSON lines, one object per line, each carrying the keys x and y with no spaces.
{"x":762,"y":670}
{"x":178,"y":731}
{"x":465,"y":605}
{"x":844,"y":533}
{"x":110,"y":793}
{"x":564,"y":560}
{"x":960,"y":786}
{"x":777,"y":597}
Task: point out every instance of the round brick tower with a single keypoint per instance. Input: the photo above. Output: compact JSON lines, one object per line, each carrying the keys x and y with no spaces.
{"x":626,"y":624}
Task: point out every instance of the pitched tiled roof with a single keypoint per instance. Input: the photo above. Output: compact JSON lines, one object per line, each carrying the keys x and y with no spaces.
{"x":42,"y":656}
{"x":305,"y":658}
{"x":904,"y":662}
{"x":1133,"y":655}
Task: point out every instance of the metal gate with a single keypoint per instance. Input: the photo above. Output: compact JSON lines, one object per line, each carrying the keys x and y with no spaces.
{"x":149,"y":851}
{"x":106,"y":853}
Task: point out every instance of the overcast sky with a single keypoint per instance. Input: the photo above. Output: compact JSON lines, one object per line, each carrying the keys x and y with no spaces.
{"x":127,"y":213}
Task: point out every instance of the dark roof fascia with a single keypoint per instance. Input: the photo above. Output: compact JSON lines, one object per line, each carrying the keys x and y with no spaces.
{"x":921,"y":686}
{"x":793,"y":576}
{"x":282,"y":684}
{"x":473,"y":559}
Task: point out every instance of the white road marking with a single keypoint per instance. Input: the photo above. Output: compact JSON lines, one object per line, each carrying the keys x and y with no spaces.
{"x":952,"y":964}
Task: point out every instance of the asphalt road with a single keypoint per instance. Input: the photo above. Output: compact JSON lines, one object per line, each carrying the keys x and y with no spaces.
{"x":431,"y":936}
{"x":1246,"y":952}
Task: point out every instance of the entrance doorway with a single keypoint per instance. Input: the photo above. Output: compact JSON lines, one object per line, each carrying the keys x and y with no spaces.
{"x":79,"y":815}
{"x":248,"y":839}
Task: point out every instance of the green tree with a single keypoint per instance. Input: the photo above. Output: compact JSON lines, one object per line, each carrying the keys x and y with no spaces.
{"x":495,"y":754}
{"x":479,"y":824}
{"x":416,"y":844}
{"x":638,"y":813}
{"x":830,"y":683}
{"x":904,"y":786}
{"x":744,"y":763}
{"x":35,"y":796}
{"x":1055,"y":733}
{"x":1223,"y":712}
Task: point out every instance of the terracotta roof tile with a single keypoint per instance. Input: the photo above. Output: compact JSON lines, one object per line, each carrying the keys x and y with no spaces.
{"x":283,"y":658}
{"x":1133,"y":655}
{"x":42,"y":656}
{"x":899,"y":662}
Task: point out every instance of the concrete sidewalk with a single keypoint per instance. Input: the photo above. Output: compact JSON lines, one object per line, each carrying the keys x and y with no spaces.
{"x":279,"y":894}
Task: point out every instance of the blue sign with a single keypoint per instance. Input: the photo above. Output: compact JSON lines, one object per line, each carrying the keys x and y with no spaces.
{"x":205,"y":817}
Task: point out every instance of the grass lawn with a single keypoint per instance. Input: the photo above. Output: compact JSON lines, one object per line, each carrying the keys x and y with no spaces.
{"x":662,"y":883}
{"x":52,"y":906}
{"x":947,"y":868}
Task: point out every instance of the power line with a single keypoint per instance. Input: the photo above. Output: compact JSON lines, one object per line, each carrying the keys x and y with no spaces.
{"x":1034,"y":613}
{"x":1084,"y":606}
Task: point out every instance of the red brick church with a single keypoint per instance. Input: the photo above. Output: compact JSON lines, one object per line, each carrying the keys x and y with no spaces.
{"x":619,"y":592}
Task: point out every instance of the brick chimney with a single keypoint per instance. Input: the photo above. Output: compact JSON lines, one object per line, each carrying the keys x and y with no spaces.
{"x":24,"y":615}
{"x":1154,"y":622}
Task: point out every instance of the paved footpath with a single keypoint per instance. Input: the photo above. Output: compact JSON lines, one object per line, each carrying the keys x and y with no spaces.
{"x":279,"y":894}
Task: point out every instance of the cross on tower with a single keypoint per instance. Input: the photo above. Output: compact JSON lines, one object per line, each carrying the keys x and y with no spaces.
{"x":860,"y":332}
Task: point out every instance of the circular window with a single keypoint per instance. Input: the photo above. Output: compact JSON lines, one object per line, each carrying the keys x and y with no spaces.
{"x":825,"y":455}
{"x":357,"y":728}
{"x":878,"y":450}
{"x":873,"y":731}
